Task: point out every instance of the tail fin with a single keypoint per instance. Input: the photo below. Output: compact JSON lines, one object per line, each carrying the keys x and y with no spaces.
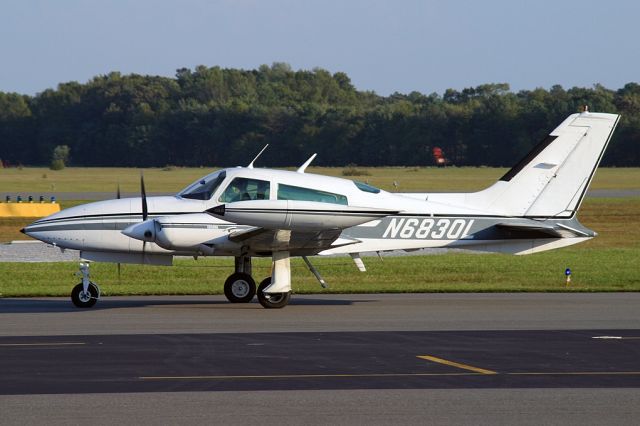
{"x":552,"y":179}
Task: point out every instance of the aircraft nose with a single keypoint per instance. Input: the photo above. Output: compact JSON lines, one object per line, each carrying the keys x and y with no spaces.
{"x":35,"y":231}
{"x":27,"y":230}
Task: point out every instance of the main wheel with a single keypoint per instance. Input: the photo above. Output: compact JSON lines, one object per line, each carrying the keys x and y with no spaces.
{"x":82,"y":299}
{"x":240,"y":288}
{"x":272,"y":300}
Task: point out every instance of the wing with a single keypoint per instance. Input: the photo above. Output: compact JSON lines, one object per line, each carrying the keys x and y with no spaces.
{"x":265,"y":241}
{"x":299,"y":227}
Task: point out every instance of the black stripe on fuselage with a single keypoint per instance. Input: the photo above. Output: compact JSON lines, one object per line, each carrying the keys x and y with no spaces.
{"x":109,"y":215}
{"x":138,"y":216}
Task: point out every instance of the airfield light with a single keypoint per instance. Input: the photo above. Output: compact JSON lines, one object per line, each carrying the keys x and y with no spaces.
{"x":567,"y":272}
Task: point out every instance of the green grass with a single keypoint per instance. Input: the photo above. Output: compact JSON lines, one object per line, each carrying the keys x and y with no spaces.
{"x":410,"y":179}
{"x":612,"y":269}
{"x":608,"y":262}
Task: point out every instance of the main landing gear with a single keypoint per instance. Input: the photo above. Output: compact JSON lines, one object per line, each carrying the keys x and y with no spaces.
{"x":272,"y":300}
{"x":86,"y":293}
{"x":273,"y":292}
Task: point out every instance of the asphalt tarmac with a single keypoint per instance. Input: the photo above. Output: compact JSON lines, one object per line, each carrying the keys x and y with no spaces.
{"x":342,"y":359}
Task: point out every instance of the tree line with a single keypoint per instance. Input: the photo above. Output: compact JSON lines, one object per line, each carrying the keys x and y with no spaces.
{"x":212,"y":116}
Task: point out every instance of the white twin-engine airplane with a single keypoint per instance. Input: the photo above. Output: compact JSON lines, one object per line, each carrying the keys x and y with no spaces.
{"x":246,"y":212}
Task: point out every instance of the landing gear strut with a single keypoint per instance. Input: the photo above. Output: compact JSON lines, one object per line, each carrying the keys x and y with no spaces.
{"x":240,"y":287}
{"x":86,"y":293}
{"x":274,"y":292}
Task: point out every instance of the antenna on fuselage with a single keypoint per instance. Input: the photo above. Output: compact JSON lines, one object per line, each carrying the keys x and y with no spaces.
{"x":250,"y":166}
{"x":302,"y":168}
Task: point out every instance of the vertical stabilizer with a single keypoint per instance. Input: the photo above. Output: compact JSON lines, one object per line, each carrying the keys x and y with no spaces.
{"x":553,"y":178}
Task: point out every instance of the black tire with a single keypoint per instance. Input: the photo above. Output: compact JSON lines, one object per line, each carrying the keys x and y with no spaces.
{"x":240,"y":288}
{"x":81,"y":300}
{"x":272,"y":300}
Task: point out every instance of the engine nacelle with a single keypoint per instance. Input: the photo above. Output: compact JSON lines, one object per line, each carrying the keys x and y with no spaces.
{"x":188,"y":231}
{"x":296,"y":215}
{"x":180,"y":232}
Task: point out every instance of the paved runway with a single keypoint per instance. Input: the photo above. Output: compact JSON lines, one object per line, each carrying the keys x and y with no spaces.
{"x":312,"y":361}
{"x":405,"y":358}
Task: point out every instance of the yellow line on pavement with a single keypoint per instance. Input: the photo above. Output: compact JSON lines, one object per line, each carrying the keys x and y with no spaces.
{"x":456,"y":364}
{"x":42,"y":344}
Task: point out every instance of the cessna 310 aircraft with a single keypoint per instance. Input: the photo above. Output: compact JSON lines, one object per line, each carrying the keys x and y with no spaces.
{"x":246,"y":212}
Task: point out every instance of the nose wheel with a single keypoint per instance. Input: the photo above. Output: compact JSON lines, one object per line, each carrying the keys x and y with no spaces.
{"x":85,"y":299}
{"x":86,"y":293}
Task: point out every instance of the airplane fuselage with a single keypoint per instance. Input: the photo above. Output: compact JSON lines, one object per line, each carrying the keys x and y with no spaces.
{"x":98,"y":227}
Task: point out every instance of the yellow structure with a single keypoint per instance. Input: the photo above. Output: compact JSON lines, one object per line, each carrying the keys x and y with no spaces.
{"x":28,"y":209}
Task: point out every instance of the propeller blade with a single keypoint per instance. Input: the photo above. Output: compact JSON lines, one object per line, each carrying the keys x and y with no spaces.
{"x":145,"y":211}
{"x":119,"y":271}
{"x":118,"y":191}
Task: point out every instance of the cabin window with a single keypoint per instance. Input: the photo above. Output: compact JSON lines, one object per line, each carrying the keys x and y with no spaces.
{"x":204,"y":189}
{"x":243,"y":189}
{"x":366,"y":187}
{"x":288,"y":192}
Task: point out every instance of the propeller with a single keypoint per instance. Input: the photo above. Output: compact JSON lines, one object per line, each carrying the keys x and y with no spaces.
{"x":145,"y":230}
{"x":118,"y":196}
{"x":145,"y":210}
{"x":145,"y":213}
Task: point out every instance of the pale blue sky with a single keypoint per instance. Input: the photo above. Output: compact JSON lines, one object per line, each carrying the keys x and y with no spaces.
{"x":385,"y":46}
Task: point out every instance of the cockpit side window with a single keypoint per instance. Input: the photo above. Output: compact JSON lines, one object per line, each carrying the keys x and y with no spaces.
{"x":242,"y":189}
{"x":288,"y":192}
{"x":204,"y":189}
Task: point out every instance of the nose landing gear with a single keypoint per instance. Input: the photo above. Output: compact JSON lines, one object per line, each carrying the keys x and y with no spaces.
{"x":86,"y":293}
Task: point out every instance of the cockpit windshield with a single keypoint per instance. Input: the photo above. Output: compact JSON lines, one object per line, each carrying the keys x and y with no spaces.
{"x":366,"y":187}
{"x":204,"y":188}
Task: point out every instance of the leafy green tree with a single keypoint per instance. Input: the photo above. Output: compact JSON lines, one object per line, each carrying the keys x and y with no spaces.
{"x":213,"y":116}
{"x":60,"y":157}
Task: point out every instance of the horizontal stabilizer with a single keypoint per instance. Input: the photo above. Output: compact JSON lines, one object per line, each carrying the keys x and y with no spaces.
{"x":539,"y":230}
{"x":533,"y":229}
